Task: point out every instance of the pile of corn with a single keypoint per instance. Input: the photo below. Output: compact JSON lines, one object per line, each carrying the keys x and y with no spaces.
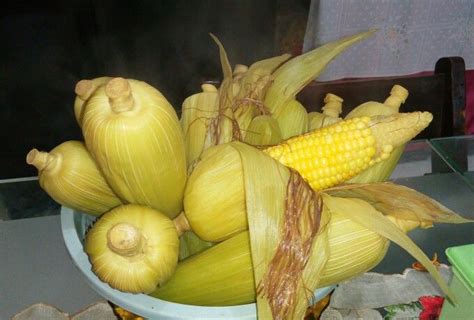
{"x":246,"y":197}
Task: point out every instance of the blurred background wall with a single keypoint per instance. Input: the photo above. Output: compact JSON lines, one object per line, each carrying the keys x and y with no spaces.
{"x":48,"y":46}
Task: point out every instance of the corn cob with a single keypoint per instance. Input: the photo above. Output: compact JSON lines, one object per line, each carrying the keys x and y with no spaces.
{"x":70,"y":176}
{"x":381,"y":171}
{"x":336,"y":153}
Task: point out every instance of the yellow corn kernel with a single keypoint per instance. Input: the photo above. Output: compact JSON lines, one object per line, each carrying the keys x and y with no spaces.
{"x":333,"y":154}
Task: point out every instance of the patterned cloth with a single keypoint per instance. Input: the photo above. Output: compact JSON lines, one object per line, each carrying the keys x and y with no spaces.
{"x":412,"y":35}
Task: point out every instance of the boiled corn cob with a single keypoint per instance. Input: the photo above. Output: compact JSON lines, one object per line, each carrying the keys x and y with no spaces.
{"x":336,"y":153}
{"x":84,"y":90}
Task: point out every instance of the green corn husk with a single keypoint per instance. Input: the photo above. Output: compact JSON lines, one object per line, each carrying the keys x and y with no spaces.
{"x":295,"y":74}
{"x":292,"y":120}
{"x":263,"y":131}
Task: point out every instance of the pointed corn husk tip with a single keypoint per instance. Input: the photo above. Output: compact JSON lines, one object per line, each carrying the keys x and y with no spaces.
{"x":38,"y":159}
{"x":84,"y":89}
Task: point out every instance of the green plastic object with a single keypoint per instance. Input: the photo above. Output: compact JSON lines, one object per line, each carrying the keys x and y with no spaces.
{"x":462,"y":283}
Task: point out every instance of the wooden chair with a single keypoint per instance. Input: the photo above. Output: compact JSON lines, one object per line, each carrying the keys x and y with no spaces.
{"x":441,"y":93}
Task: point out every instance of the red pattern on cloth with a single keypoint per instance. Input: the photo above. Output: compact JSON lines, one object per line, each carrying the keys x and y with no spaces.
{"x":431,"y":307}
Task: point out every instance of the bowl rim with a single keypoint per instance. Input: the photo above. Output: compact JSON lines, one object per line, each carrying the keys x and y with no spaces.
{"x":142,"y":304}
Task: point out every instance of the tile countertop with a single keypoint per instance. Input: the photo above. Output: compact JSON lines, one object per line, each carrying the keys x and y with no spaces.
{"x":37,"y":268}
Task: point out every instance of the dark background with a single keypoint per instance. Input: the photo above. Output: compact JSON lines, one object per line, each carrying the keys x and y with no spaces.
{"x":47,"y":46}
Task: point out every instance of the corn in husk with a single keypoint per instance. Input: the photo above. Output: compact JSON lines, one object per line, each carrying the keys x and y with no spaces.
{"x":329,"y":115}
{"x":134,"y":135}
{"x":263,"y":131}
{"x":292,"y":120}
{"x":275,"y":200}
{"x":71,"y":177}
{"x":334,"y":154}
{"x":84,"y":90}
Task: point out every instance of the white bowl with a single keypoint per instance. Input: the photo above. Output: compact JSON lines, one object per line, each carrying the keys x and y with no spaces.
{"x":74,"y":225}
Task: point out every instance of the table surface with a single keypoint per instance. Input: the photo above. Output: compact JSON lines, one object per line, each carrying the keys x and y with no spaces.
{"x":36,"y":267}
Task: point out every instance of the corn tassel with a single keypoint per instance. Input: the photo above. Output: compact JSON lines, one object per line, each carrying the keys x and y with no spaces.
{"x":70,"y":176}
{"x":134,"y":135}
{"x":334,"y":154}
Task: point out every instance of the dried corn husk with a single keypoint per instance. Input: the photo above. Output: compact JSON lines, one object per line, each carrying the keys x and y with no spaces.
{"x":295,"y":74}
{"x":134,"y":135}
{"x":293,"y":119}
{"x":263,"y":131}
{"x":70,"y":176}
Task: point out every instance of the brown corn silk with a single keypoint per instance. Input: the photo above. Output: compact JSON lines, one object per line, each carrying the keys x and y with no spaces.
{"x":288,"y":265}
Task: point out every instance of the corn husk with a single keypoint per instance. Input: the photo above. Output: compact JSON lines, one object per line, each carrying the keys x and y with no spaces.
{"x":381,"y":171}
{"x":84,"y":90}
{"x":190,"y":244}
{"x":198,"y":112}
{"x":219,"y":276}
{"x":374,"y":220}
{"x":133,"y":248}
{"x":294,"y":75}
{"x":134,"y":135}
{"x":263,"y":131}
{"x":70,"y":176}
{"x":215,"y":215}
{"x":292,"y":120}
{"x":330,"y":113}
{"x":400,"y":202}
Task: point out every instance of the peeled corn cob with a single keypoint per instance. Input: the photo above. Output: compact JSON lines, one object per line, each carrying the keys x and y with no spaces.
{"x":70,"y":176}
{"x":336,"y":153}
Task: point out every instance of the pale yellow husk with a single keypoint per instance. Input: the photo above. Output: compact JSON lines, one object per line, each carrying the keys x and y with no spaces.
{"x":133,"y":248}
{"x":70,"y":176}
{"x":84,"y":90}
{"x":135,"y":137}
{"x":293,"y":119}
{"x":263,"y":131}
